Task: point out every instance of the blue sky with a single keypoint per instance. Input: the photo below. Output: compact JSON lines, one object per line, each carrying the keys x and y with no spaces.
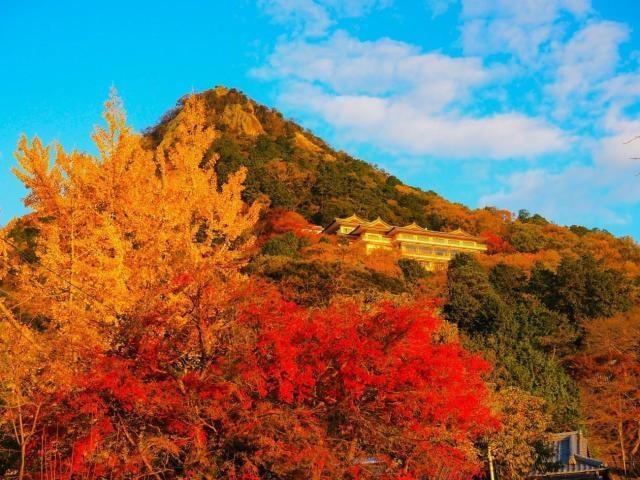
{"x":521,"y":104}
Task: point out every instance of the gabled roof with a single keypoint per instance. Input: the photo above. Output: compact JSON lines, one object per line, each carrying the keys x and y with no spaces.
{"x":411,"y":228}
{"x":377,"y":225}
{"x":571,"y":456}
{"x":361,"y":225}
{"x":352,"y":220}
{"x":458,"y":233}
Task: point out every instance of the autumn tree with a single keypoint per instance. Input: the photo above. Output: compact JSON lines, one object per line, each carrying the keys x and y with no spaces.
{"x":608,"y":370}
{"x":495,"y":243}
{"x":280,"y":221}
{"x":519,"y":447}
{"x":154,"y":357}
{"x":113,"y":230}
{"x":122,"y":223}
{"x":286,"y":393}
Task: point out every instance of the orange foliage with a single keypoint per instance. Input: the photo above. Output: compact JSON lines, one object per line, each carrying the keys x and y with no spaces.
{"x":116,"y":234}
{"x":608,"y":370}
{"x":163,"y":360}
{"x":320,"y":394}
{"x":495,"y":243}
{"x":524,"y":261}
{"x":281,"y":221}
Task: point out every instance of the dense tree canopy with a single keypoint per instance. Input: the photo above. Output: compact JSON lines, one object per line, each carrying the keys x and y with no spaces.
{"x":520,"y":334}
{"x":134,"y":346}
{"x":167,"y":310}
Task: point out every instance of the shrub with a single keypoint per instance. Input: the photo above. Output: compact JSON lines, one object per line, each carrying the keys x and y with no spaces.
{"x":412,"y":269}
{"x":287,"y":244}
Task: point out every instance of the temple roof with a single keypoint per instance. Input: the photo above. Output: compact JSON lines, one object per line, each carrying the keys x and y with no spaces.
{"x":457,"y":233}
{"x":571,"y":457}
{"x":380,"y":226}
{"x":411,"y":228}
{"x":377,"y":225}
{"x":352,"y":220}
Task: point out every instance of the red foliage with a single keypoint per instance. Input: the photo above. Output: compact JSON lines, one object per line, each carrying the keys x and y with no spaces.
{"x":286,"y":393}
{"x":496,"y":244}
{"x":283,"y":221}
{"x":383,"y":372}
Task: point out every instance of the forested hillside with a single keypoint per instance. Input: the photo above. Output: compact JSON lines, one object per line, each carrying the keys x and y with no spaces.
{"x":529,"y":305}
{"x":297,"y":171}
{"x":167,"y":312}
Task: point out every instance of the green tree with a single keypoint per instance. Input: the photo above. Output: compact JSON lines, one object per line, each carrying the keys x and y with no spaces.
{"x":527,"y":237}
{"x":582,"y":288}
{"x":473,"y":304}
{"x":521,"y":336}
{"x":287,"y":244}
{"x":412,"y":270}
{"x":509,"y":281}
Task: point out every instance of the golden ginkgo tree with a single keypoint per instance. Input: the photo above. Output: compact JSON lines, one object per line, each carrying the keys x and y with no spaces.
{"x":113,"y":227}
{"x":114,"y":230}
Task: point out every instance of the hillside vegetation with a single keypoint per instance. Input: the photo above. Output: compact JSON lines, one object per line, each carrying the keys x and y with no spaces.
{"x":295,"y":170}
{"x":167,"y":312}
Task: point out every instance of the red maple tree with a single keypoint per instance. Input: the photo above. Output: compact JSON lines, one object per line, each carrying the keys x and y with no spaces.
{"x":495,"y":243}
{"x":286,"y":392}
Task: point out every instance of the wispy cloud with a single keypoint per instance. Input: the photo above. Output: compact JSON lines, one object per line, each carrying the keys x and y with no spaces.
{"x":313,"y":18}
{"x":581,"y":193}
{"x":393,"y":95}
{"x":402,"y":126}
{"x":523,"y":28}
{"x":588,"y":58}
{"x":541,"y":80}
{"x":343,"y":64}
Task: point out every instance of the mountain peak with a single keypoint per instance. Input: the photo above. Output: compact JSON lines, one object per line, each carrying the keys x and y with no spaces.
{"x":297,"y":170}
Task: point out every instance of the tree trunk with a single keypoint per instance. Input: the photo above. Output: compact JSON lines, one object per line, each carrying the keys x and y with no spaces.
{"x":23,"y":459}
{"x":622,"y":451}
{"x":490,"y":457}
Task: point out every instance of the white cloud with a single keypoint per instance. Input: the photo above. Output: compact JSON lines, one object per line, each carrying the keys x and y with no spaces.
{"x":384,"y":67}
{"x":616,"y":158}
{"x":576,"y":194}
{"x":548,"y":193}
{"x":586,"y":194}
{"x":521,"y":28}
{"x":535,"y":77}
{"x":313,"y":18}
{"x":438,"y":7}
{"x":622,"y":89}
{"x":583,"y":65}
{"x":557,"y":41}
{"x":392,"y":95}
{"x":401,"y":126}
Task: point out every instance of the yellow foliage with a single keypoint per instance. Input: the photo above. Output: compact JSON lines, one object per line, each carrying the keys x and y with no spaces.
{"x":116,"y":228}
{"x":524,"y":422}
{"x":121,"y":234}
{"x":525,"y":261}
{"x":305,"y":143}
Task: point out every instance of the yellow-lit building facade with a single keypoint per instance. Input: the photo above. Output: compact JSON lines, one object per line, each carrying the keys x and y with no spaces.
{"x":432,"y":249}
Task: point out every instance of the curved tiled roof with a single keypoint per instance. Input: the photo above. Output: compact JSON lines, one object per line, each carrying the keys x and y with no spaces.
{"x":571,"y":458}
{"x":379,"y":225}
